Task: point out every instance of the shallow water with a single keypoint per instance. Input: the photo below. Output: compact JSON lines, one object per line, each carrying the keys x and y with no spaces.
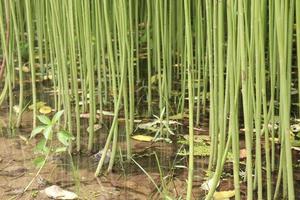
{"x":126,"y":181}
{"x":123,"y":183}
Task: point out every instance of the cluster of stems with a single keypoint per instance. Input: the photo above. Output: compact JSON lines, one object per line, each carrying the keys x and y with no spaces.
{"x":234,"y":58}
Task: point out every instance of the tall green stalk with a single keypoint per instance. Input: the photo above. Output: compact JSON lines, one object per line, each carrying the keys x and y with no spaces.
{"x":31,"y":58}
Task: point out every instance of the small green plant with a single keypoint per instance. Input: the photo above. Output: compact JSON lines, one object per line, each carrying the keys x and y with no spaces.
{"x":45,"y":146}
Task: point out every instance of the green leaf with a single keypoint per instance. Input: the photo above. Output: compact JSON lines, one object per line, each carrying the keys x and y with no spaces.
{"x":64,"y":137}
{"x":57,"y":116}
{"x":60,"y":149}
{"x":41,"y":146}
{"x":48,"y":132}
{"x":39,"y":161}
{"x":36,"y":131}
{"x":44,"y":119}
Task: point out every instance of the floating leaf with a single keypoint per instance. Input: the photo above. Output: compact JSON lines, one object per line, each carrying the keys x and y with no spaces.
{"x":200,"y":149}
{"x":38,"y":105}
{"x":198,"y":138}
{"x":45,"y":110}
{"x":224,"y":195}
{"x":144,"y":138}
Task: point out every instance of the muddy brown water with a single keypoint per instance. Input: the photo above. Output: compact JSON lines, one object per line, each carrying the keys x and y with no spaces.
{"x":126,"y":181}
